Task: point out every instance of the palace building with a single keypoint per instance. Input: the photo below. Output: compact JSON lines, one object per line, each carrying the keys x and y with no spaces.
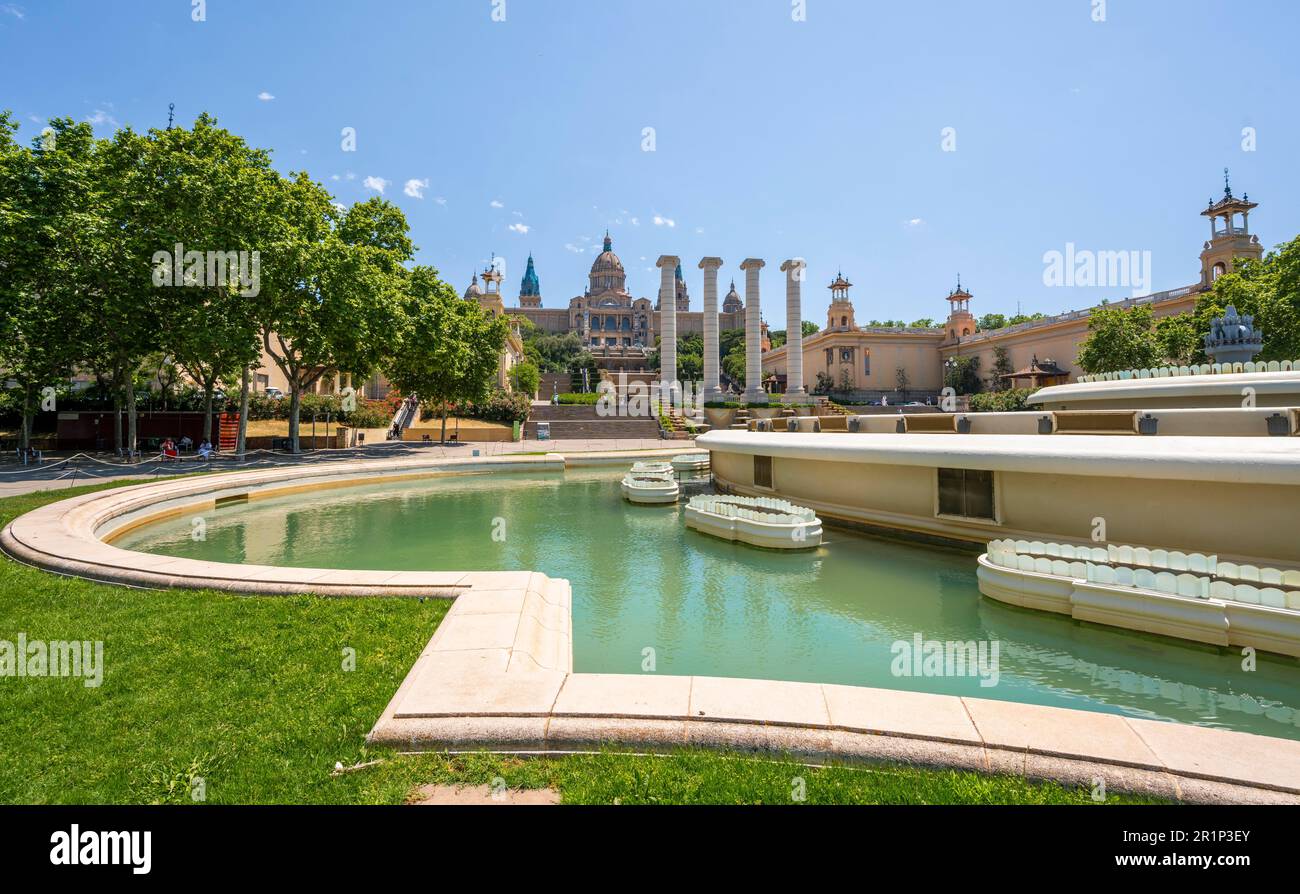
{"x":876,"y":362}
{"x":618,"y":328}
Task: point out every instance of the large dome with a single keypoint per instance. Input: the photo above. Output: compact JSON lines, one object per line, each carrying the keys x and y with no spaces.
{"x":607,"y":274}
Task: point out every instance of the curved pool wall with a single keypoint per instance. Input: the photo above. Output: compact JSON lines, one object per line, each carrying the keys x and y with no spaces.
{"x":481,"y":683}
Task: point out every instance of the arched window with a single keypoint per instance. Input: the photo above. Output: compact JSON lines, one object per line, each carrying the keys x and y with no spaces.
{"x":952,"y":333}
{"x":1219,"y":269}
{"x":844,"y":321}
{"x":965,"y":332}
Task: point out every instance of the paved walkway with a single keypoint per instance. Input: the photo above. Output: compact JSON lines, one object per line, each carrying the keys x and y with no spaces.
{"x":60,"y":474}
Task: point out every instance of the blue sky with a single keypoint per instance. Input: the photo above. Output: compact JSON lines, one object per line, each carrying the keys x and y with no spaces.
{"x":774,"y":138}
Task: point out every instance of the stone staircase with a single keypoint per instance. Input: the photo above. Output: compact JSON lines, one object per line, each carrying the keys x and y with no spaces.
{"x":582,"y":423}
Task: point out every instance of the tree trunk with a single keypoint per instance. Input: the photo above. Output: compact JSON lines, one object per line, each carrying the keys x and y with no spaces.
{"x":241,"y":444}
{"x":117,"y":412}
{"x":295,"y":404}
{"x":207,"y":408}
{"x":131,"y":441}
{"x":28,"y":413}
{"x":443,"y":437}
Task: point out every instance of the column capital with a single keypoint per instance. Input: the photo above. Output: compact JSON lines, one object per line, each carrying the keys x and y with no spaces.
{"x":794,"y":264}
{"x":668,"y":261}
{"x":710,"y":263}
{"x":756,"y":263}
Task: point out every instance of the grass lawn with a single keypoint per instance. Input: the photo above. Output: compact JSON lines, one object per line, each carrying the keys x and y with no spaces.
{"x":251,"y":695}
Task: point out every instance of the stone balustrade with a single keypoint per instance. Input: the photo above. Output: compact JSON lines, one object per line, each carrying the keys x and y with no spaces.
{"x":1169,"y":572}
{"x":1203,"y":369}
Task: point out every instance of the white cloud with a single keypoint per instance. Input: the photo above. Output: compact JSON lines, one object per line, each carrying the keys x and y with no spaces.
{"x":497,"y":204}
{"x":340,"y":206}
{"x":699,"y":230}
{"x":35,"y":119}
{"x":99,"y":116}
{"x":914,"y":222}
{"x":441,"y":200}
{"x":664,"y":222}
{"x":576,"y":249}
{"x":415,"y":188}
{"x":15,"y":11}
{"x":521,"y":229}
{"x":378,"y":184}
{"x":349,"y":176}
{"x":334,"y":176}
{"x":265,"y":97}
{"x":635,"y":221}
{"x":517,"y":213}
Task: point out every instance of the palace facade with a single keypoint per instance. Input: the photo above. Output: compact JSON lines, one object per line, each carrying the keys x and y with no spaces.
{"x":870,"y":361}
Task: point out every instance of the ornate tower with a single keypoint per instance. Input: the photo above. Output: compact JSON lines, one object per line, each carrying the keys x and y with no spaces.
{"x":961,"y":322}
{"x":683,"y":296}
{"x":1230,"y":242}
{"x":839,"y":316}
{"x":490,"y":298}
{"x":530,"y":289}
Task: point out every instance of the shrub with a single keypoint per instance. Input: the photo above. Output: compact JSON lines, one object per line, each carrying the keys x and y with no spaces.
{"x":722,"y":405}
{"x":1011,"y":401}
{"x":571,"y":399}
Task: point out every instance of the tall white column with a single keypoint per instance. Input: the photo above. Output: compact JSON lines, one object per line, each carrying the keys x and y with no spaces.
{"x":794,"y":389}
{"x":668,"y":326}
{"x":754,"y":392}
{"x":712,"y":362}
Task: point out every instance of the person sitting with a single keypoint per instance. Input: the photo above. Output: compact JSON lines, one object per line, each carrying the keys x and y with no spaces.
{"x":169,"y":450}
{"x":205,"y":450}
{"x":186,"y":444}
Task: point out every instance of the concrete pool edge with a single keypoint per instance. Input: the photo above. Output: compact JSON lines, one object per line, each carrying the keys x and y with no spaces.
{"x":497,"y":674}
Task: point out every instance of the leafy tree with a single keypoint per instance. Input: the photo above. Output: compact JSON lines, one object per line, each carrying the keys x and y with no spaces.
{"x":1119,"y":339}
{"x":332,"y":288}
{"x":992,"y":321}
{"x":1025,"y":318}
{"x":902,"y":383}
{"x":41,"y":194}
{"x":1180,"y":342}
{"x":1267,"y":289}
{"x":525,"y":378}
{"x":209,"y":327}
{"x":447,"y":350}
{"x":962,"y":375}
{"x":1001,"y":368}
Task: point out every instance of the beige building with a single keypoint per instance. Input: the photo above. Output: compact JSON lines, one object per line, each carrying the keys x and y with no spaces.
{"x":868,"y":360}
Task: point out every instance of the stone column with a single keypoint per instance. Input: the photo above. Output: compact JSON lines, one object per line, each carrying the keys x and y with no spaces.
{"x":668,"y":326}
{"x":712,"y":362}
{"x":754,"y":393}
{"x":794,"y":389}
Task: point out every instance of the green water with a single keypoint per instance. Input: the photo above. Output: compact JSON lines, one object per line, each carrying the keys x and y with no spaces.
{"x":642,"y":581}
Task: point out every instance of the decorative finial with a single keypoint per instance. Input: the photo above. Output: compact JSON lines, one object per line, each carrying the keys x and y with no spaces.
{"x":171,"y":114}
{"x":1227,"y":187}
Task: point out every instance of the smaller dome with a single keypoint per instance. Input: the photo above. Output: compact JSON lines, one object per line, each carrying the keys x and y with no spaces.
{"x":474,"y":291}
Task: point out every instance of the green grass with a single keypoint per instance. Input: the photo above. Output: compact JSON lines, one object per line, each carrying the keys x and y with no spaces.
{"x":251,"y":695}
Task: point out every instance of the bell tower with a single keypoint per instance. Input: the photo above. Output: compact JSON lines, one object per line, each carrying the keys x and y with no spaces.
{"x":1229,"y":242}
{"x":839,"y":316}
{"x":961,"y":322}
{"x":490,"y":299}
